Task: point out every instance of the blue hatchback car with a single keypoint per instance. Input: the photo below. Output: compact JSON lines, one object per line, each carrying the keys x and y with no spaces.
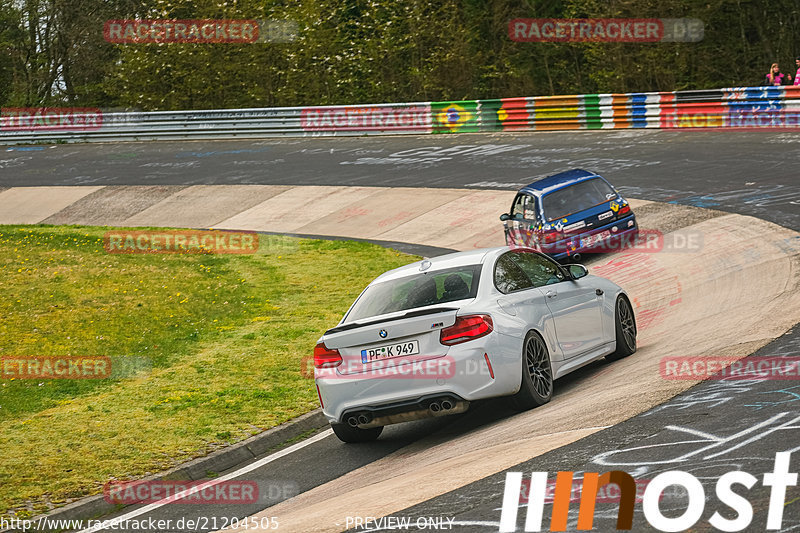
{"x":570,"y":213}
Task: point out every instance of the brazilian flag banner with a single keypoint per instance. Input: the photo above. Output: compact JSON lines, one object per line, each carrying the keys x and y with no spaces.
{"x":455,"y":117}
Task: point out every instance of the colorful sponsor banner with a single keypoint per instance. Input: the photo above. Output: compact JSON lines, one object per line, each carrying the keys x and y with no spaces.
{"x":50,"y":118}
{"x":602,"y":110}
{"x":506,"y":114}
{"x":696,"y":115}
{"x":557,"y":113}
{"x":455,"y":117}
{"x":770,"y":118}
{"x":412,"y":118}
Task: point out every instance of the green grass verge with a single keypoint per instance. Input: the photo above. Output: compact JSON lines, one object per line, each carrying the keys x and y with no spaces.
{"x":217,"y":342}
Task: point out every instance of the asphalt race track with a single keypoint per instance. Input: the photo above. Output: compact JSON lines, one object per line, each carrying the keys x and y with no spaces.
{"x":753,"y":173}
{"x":742,"y":425}
{"x":708,"y":430}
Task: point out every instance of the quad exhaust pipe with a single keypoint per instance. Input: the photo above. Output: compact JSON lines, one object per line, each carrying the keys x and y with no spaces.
{"x":359,"y":419}
{"x":438,"y":406}
{"x":445,"y":404}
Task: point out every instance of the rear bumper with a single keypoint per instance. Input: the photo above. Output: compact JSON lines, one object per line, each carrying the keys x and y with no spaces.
{"x":622,"y":231}
{"x":466,"y":377}
{"x":404,"y":411}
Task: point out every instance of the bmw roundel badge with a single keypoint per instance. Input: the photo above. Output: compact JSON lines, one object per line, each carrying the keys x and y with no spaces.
{"x":383,"y":333}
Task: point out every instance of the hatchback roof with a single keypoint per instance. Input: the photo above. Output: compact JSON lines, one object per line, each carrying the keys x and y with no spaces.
{"x":557,"y":181}
{"x":441,"y":262}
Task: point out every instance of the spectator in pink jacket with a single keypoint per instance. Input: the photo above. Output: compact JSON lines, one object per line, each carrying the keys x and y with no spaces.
{"x":776,"y":77}
{"x":797,"y":74}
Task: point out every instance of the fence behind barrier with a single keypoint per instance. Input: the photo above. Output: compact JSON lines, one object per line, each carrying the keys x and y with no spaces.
{"x":736,"y":107}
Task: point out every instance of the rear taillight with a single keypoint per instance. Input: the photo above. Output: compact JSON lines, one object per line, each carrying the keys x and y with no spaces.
{"x":466,"y":328}
{"x":624,"y":210}
{"x":324,"y":357}
{"x":549,"y":237}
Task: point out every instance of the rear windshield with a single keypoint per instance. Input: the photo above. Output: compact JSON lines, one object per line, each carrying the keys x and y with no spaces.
{"x":418,"y":290}
{"x":575,"y":198}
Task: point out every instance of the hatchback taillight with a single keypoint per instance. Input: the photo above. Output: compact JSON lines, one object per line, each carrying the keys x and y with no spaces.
{"x":466,"y":328}
{"x":324,"y":357}
{"x":549,"y":237}
{"x":625,"y":209}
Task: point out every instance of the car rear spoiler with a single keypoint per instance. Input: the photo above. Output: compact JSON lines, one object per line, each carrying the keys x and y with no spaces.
{"x":410,"y":314}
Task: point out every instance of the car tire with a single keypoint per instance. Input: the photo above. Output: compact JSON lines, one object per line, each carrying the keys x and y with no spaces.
{"x":625,"y":328}
{"x":537,"y":374}
{"x":350,"y":434}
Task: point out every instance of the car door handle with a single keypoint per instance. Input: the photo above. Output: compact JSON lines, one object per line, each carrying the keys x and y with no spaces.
{"x":551,"y":294}
{"x":598,"y":292}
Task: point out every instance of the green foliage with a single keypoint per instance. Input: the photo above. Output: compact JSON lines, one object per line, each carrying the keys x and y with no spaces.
{"x":363,"y":51}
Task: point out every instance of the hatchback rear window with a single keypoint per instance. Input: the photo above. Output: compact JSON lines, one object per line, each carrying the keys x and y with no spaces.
{"x":575,"y":198}
{"x":418,"y":290}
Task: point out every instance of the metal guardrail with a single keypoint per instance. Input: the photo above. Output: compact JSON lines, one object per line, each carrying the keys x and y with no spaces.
{"x":738,"y":107}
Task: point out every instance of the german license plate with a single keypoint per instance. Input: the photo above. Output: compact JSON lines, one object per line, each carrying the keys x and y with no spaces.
{"x":397,"y":349}
{"x":591,"y":240}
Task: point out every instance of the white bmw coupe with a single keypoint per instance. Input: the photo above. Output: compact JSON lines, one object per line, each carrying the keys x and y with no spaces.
{"x":428,"y":338}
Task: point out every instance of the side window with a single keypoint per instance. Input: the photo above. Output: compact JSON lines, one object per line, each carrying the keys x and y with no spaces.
{"x":517,"y":209}
{"x":524,"y":207}
{"x":508,"y":276}
{"x":541,"y":270}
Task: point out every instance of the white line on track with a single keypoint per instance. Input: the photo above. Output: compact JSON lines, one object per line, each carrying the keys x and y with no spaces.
{"x":252,"y":466}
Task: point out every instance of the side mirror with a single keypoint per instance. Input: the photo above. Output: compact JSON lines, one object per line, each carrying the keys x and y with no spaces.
{"x":505,"y":216}
{"x":577,"y":271}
